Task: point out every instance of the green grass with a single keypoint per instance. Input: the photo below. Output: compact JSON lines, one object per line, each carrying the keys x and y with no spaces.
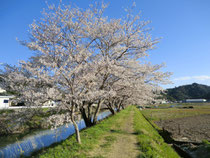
{"x":90,"y":138}
{"x":172,"y":113}
{"x":151,"y":143}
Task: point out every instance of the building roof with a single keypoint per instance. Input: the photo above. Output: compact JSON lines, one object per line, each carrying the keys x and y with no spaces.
{"x":11,"y":96}
{"x":195,"y":99}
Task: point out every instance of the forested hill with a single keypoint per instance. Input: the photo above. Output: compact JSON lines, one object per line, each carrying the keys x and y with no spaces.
{"x":192,"y":91}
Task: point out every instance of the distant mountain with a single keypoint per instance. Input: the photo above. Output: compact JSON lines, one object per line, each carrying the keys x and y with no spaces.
{"x":192,"y":91}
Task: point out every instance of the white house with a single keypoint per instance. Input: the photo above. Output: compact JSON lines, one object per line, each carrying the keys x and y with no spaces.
{"x":195,"y":100}
{"x":4,"y":102}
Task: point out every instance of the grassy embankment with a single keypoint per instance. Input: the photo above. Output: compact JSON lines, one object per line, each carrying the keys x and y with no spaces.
{"x":150,"y":142}
{"x":103,"y":138}
{"x":179,"y":112}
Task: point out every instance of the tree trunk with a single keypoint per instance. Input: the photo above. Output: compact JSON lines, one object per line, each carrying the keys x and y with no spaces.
{"x":76,"y":129}
{"x":100,"y":102}
{"x":74,"y":122}
{"x":87,"y":118}
{"x":122,"y":106}
{"x":118,"y":106}
{"x":111,"y":109}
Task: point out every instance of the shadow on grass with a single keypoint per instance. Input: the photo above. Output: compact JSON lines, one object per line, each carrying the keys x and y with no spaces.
{"x":118,"y":131}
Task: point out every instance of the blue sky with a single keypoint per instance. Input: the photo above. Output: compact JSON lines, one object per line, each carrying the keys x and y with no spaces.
{"x":184,"y":26}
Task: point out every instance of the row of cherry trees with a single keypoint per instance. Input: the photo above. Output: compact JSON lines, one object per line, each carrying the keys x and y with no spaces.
{"x":86,"y":60}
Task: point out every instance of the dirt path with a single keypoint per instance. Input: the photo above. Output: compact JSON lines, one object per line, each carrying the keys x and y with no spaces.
{"x":123,"y":141}
{"x":126,"y":144}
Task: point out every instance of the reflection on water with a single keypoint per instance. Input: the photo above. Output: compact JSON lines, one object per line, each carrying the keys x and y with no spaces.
{"x":42,"y":139}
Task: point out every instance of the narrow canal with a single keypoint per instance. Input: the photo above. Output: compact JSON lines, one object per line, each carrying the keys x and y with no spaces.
{"x":42,"y":139}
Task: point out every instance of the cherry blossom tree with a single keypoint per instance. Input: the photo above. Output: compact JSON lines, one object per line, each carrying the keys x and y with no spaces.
{"x":139,"y":86}
{"x":86,"y":60}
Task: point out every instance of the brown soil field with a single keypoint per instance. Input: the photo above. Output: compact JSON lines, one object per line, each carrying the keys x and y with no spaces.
{"x":189,"y":129}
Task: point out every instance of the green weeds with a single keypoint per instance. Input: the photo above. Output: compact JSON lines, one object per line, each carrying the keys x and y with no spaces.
{"x":90,"y":138}
{"x":151,"y":143}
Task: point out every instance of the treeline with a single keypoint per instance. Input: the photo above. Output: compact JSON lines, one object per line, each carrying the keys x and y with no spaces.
{"x":191,"y":91}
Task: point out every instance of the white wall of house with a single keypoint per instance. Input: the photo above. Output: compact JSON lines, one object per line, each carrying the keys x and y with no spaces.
{"x":4,"y":102}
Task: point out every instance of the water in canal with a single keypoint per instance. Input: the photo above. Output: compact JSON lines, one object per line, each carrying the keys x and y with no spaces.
{"x":42,"y":139}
